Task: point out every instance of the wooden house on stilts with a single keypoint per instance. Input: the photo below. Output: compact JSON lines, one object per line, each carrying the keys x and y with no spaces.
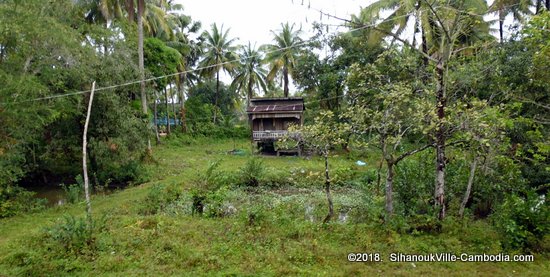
{"x":270,"y":118}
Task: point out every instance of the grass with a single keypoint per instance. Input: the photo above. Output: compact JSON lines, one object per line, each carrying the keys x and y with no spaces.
{"x":279,"y":239}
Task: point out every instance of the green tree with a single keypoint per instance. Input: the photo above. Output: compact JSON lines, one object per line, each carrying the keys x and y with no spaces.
{"x":161,"y":60}
{"x":249,"y":73}
{"x":385,"y":113}
{"x":283,"y":54}
{"x":219,"y":55}
{"x":322,"y":136}
{"x":452,"y":33}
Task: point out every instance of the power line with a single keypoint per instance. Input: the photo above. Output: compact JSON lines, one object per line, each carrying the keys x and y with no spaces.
{"x":100,"y":89}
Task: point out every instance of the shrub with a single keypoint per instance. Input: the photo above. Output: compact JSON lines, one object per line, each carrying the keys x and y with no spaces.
{"x":158,"y":198}
{"x":523,"y":221}
{"x":414,"y":184}
{"x":342,"y":176}
{"x":75,"y":235}
{"x":73,"y":193}
{"x":252,"y":172}
{"x":15,"y":200}
{"x":214,"y":201}
{"x":204,"y":189}
{"x":275,"y":178}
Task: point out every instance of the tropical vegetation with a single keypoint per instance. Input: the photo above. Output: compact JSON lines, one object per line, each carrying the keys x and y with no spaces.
{"x":426,"y":131}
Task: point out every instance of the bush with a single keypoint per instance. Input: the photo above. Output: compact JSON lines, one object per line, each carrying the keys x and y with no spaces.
{"x":252,"y":172}
{"x":15,"y":200}
{"x":523,"y":221}
{"x":158,"y":198}
{"x":414,"y":184}
{"x":204,"y":187}
{"x":75,"y":235}
{"x":73,"y":193}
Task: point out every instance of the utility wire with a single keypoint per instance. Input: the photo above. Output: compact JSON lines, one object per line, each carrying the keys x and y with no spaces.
{"x":101,"y":89}
{"x":303,"y":43}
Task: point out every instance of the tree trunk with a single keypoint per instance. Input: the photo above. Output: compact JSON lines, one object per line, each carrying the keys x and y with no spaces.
{"x":182,"y":103}
{"x":440,"y":141}
{"x":141,"y":64}
{"x":167,"y":111}
{"x":538,"y":6}
{"x":389,"y":189}
{"x":249,"y":96}
{"x":183,"y":122}
{"x":172,"y":96}
{"x":501,"y":25}
{"x":131,"y":10}
{"x":216,"y":95}
{"x":84,"y":156}
{"x":378,"y":176}
{"x":156,"y":120}
{"x":468,"y":188}
{"x":327,"y":192}
{"x":285,"y":80}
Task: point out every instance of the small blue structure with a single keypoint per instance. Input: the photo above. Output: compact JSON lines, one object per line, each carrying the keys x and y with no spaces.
{"x":173,"y":122}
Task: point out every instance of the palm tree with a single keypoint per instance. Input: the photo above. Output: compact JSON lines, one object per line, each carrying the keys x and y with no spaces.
{"x":158,"y":22}
{"x":518,"y":9}
{"x":183,"y":27}
{"x":421,"y":14}
{"x":102,"y":11}
{"x":250,"y":73}
{"x":219,"y":55}
{"x":141,"y":63}
{"x":401,"y":14}
{"x":282,"y":55}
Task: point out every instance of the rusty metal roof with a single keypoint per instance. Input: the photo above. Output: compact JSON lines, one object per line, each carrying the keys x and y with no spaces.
{"x":276,"y":108}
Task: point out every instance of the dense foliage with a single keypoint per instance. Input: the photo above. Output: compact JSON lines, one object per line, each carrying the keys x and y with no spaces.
{"x":453,"y":122}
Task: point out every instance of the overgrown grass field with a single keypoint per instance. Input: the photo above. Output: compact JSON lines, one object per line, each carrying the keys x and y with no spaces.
{"x":270,"y":228}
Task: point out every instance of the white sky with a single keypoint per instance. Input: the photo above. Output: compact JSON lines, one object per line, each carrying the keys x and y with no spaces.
{"x":253,"y":20}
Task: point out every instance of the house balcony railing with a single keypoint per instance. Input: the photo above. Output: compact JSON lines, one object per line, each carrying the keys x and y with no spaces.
{"x":270,"y":135}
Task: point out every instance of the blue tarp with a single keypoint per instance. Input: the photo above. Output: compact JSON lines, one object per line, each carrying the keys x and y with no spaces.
{"x":162,"y":122}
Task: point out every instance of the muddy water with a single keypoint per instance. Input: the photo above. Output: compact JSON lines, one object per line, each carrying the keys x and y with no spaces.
{"x":56,"y":196}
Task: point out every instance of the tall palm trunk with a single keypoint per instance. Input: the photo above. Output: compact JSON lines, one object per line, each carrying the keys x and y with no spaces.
{"x":155,"y":111}
{"x":172,"y":96}
{"x":249,"y":96}
{"x":141,"y":64}
{"x":285,"y":80}
{"x":174,"y":112}
{"x":167,"y":111}
{"x":182,"y":102}
{"x":216,"y":96}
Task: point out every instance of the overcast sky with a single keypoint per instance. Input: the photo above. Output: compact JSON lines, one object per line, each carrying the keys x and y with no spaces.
{"x":252,"y":20}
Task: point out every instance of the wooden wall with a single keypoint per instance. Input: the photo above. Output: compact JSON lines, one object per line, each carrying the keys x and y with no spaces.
{"x":273,"y":124}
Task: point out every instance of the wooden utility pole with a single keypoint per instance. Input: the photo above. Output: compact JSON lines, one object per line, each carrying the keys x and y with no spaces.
{"x":84,"y":155}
